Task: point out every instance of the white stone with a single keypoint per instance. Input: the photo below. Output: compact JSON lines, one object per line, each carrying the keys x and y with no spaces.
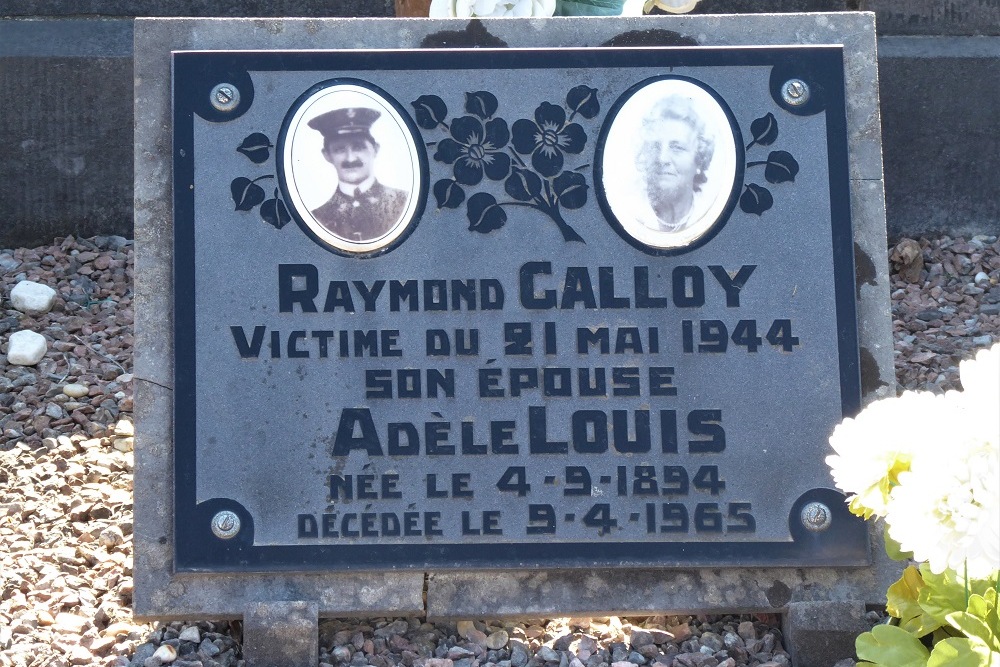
{"x":124,"y":444}
{"x":124,"y":428}
{"x":982,"y":277}
{"x":76,"y":390}
{"x":26,"y":348}
{"x":32,"y":298}
{"x":190,"y":634}
{"x":166,"y":653}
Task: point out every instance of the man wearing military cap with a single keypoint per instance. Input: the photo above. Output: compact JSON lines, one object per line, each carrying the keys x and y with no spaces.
{"x":361,"y":209}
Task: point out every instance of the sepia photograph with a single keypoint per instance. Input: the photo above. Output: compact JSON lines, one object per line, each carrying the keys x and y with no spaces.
{"x":669,"y":163}
{"x":351,"y":168}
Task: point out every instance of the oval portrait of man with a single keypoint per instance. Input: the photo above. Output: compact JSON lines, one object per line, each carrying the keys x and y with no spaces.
{"x":350,"y":167}
{"x":669,"y":163}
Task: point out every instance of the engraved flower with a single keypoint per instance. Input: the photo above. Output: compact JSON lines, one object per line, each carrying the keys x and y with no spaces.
{"x":547,"y":137}
{"x":475,"y":148}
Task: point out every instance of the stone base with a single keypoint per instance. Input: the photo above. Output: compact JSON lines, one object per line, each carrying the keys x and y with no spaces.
{"x":281,"y":634}
{"x":819,"y":634}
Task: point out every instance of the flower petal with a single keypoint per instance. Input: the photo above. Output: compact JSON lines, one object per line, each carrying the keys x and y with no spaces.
{"x":497,"y":134}
{"x":551,"y":114}
{"x":442,"y":8}
{"x":497,"y":166}
{"x":526,"y":136}
{"x":468,"y":172}
{"x":543,"y":7}
{"x":467,"y":130}
{"x":448,"y":150}
{"x":547,"y":161}
{"x":572,"y":139}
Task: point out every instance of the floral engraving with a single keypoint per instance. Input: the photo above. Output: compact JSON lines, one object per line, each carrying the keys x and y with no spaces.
{"x":248,"y":195}
{"x":529,"y":157}
{"x":779,"y":167}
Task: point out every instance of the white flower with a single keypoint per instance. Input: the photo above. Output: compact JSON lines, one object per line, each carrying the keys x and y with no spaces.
{"x":981,"y":398}
{"x":879,"y":444}
{"x":946,"y":509}
{"x":491,"y":8}
{"x":633,"y":7}
{"x":931,"y":465}
{"x":672,"y":6}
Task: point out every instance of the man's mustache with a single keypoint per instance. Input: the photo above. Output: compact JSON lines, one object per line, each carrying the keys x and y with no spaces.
{"x":353,"y":164}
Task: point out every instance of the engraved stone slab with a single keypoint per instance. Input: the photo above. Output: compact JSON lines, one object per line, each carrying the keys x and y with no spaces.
{"x":462,"y":308}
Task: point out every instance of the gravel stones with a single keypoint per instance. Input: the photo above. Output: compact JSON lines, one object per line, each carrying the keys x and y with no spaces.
{"x":89,"y":340}
{"x":26,"y":348}
{"x":944,"y":310}
{"x":541,"y":643}
{"x":66,"y":443}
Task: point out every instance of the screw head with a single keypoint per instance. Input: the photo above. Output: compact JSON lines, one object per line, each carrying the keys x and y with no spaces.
{"x":225,"y":97}
{"x":795,"y":92}
{"x":816,"y":517}
{"x":225,"y":525}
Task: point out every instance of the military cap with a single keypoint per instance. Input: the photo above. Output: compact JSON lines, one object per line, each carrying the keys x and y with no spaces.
{"x":352,"y":121}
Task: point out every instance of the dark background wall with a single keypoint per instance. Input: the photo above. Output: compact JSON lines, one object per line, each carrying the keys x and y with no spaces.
{"x":66,"y":106}
{"x":939,"y":72}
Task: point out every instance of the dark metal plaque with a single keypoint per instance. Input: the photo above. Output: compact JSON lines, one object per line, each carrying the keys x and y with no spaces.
{"x":512,"y":308}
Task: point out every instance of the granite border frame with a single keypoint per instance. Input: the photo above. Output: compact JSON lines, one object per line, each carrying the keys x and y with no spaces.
{"x":161,"y":593}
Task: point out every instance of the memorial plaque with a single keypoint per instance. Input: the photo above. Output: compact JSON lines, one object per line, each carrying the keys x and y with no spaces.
{"x":512,"y":308}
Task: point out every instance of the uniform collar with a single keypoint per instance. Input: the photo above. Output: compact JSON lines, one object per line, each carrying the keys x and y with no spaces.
{"x":361,"y":188}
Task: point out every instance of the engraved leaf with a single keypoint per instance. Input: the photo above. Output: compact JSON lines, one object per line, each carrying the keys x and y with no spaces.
{"x":571,"y":188}
{"x":431,"y":111}
{"x":756,"y":199}
{"x":256,"y":147}
{"x":246,"y":193}
{"x":449,"y":193}
{"x":781,"y":167}
{"x":523,"y":185}
{"x":583,"y":100}
{"x":481,"y":103}
{"x":274,"y":212}
{"x":764,"y":131}
{"x":484,"y":214}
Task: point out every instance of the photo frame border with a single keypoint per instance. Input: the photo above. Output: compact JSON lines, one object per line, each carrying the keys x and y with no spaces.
{"x":738,"y":177}
{"x":420,"y":168}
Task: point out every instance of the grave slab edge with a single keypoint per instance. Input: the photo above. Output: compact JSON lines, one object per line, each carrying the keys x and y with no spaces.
{"x":162,"y":594}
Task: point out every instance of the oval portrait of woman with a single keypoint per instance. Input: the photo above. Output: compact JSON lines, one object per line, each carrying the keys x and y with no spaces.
{"x":669,"y":164}
{"x":350,"y":167}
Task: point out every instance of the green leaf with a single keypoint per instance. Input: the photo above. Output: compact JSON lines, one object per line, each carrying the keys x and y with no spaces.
{"x":894,"y":550}
{"x":944,"y":593}
{"x":962,"y":653}
{"x":890,"y":646}
{"x":974,"y":627}
{"x":978,"y":606}
{"x":985,"y":607}
{"x":902,"y":602}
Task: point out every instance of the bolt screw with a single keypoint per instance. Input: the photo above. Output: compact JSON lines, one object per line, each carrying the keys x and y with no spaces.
{"x":795,"y":92}
{"x":225,"y":525}
{"x":225,"y":97}
{"x":816,"y":517}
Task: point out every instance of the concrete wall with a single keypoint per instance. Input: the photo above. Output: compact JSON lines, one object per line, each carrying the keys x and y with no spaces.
{"x":939,"y":70}
{"x":66,"y":110}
